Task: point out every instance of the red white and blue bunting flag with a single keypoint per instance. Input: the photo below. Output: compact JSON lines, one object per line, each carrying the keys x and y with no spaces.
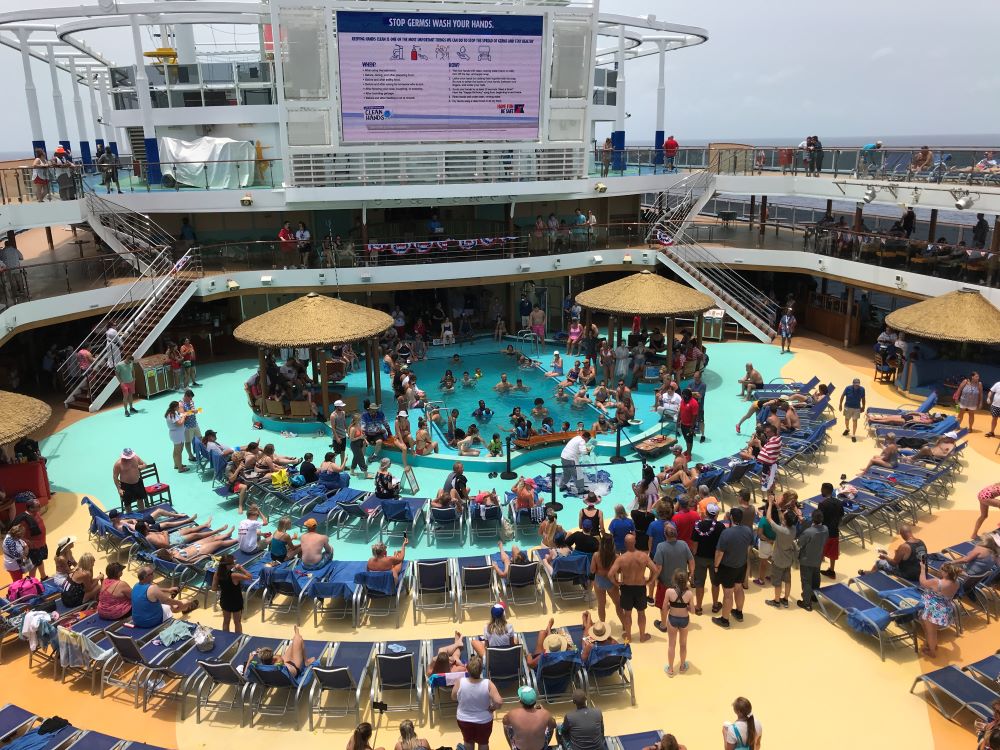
{"x":664,"y":239}
{"x":376,"y":247}
{"x":467,"y":244}
{"x":401,"y":248}
{"x":423,"y":247}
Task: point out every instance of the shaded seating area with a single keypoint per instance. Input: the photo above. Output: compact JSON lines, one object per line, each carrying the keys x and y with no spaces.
{"x":313,"y":322}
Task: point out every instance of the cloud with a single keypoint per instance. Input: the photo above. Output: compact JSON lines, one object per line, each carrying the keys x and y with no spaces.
{"x":769,"y":79}
{"x":882,"y":52}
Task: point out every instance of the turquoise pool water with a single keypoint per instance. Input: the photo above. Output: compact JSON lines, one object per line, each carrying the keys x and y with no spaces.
{"x":81,"y":456}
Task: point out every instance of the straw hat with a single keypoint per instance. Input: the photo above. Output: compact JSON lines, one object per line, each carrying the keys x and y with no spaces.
{"x":312,"y":320}
{"x":646,"y":293}
{"x":599,"y":632}
{"x":554,"y":643}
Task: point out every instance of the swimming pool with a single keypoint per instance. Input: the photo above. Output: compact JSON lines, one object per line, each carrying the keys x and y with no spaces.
{"x":493,"y":363}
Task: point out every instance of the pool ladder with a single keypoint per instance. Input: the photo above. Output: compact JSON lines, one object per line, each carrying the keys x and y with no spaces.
{"x":526,"y":337}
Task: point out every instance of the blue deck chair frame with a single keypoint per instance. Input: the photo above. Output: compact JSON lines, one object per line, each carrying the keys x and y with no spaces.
{"x":507,"y":669}
{"x":485,"y":523}
{"x":445,"y":523}
{"x":334,"y":594}
{"x":523,"y":584}
{"x":345,"y":673}
{"x":217,"y":674}
{"x":838,"y":600}
{"x":557,"y":675}
{"x":434,"y":588}
{"x":377,"y":595}
{"x":359,"y":516}
{"x":475,"y":583}
{"x":966,"y":692}
{"x":181,"y":676}
{"x":402,"y":517}
{"x":398,"y":672}
{"x":608,"y":668}
{"x":134,"y":663}
{"x":267,"y":685}
{"x":569,"y":575}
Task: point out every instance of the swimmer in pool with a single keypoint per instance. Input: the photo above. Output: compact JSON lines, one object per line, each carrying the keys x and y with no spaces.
{"x":561,"y":395}
{"x":504,"y":385}
{"x":582,"y":398}
{"x":479,"y":373}
{"x":467,"y":381}
{"x":483,"y":412}
{"x":539,"y":411}
{"x":520,"y":386}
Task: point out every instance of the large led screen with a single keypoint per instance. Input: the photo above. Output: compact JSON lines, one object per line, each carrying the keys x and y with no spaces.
{"x":438,"y":77}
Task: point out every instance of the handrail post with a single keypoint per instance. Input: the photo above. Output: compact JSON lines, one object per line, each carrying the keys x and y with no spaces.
{"x":508,"y":474}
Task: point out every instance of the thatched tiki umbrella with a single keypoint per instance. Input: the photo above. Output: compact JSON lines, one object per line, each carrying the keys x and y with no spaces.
{"x":963,"y":315}
{"x":20,"y":416}
{"x":647,"y":294}
{"x":315,"y":321}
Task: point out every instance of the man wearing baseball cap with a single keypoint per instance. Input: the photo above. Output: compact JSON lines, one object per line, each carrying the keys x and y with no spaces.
{"x":126,"y":477}
{"x":314,"y":548}
{"x":528,"y":726}
{"x":338,"y":428}
{"x":852,"y":403}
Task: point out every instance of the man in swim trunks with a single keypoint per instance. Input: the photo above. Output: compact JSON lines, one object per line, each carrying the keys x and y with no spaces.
{"x":126,"y":477}
{"x":537,"y":320}
{"x":629,"y":571}
{"x":293,"y":658}
{"x":750,"y":382}
{"x":197,"y":551}
{"x":314,"y":548}
{"x":504,"y":385}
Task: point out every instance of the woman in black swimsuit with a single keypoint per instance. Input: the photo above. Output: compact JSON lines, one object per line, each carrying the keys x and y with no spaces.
{"x":81,"y":586}
{"x":228,"y":581}
{"x":590,"y":512}
{"x":679,"y":603}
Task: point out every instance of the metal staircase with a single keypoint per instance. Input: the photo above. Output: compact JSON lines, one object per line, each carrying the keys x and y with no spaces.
{"x":700,"y":268}
{"x":143,"y":311}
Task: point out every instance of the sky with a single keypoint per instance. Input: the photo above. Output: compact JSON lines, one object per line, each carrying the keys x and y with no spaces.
{"x":775,"y":70}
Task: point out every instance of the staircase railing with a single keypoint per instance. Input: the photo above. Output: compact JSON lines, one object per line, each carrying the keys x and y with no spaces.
{"x":678,"y":207}
{"x":125,"y":230}
{"x":160,"y":282}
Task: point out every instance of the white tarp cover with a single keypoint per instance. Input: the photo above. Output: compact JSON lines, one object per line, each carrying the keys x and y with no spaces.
{"x":218,"y":163}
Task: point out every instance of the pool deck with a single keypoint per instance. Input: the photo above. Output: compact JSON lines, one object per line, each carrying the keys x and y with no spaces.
{"x":784,"y":661}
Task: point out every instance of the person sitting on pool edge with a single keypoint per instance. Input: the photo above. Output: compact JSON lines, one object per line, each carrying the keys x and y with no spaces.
{"x":376,"y":428}
{"x":292,"y":660}
{"x":381,"y":561}
{"x":315,"y":550}
{"x":465,"y":444}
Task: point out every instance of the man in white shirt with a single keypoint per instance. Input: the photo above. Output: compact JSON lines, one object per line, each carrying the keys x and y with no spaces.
{"x":670,"y":404}
{"x":993,"y":401}
{"x":571,"y":454}
{"x":248,"y":532}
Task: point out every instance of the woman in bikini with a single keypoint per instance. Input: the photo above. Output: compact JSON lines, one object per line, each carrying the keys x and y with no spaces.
{"x":600,"y":565}
{"x":422,"y":443}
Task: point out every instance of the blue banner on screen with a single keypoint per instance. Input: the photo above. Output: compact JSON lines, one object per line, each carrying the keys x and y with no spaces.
{"x":439,"y":76}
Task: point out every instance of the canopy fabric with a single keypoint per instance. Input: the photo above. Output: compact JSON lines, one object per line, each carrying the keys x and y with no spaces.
{"x":216,"y":163}
{"x":20,"y":416}
{"x":312,"y":320}
{"x":646,"y":293}
{"x":962,"y":315}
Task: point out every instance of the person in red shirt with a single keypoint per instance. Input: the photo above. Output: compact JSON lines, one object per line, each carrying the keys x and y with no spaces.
{"x":685,"y":519}
{"x":34,"y":534}
{"x":687,"y":418}
{"x":286,"y":239}
{"x":670,"y":147}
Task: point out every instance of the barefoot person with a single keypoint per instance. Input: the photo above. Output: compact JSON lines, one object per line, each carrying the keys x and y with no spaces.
{"x":125,"y":475}
{"x":989,"y":497}
{"x":629,"y":571}
{"x":292,"y":660}
{"x":186,"y":535}
{"x":381,"y":560}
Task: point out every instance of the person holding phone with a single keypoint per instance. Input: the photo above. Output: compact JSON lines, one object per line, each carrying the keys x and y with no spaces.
{"x":937,"y":610}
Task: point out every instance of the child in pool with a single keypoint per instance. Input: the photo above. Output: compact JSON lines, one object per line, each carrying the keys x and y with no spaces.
{"x":482,"y":412}
{"x":479,"y":373}
{"x":495,"y":447}
{"x":467,"y":381}
{"x":547,"y":427}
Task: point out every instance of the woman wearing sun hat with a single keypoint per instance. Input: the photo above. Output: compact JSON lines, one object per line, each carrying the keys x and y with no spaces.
{"x":595,"y":633}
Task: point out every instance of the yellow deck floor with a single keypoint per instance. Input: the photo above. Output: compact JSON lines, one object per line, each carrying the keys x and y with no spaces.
{"x":812,"y":684}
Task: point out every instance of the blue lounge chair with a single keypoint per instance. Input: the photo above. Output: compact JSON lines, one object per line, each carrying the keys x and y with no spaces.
{"x":446,"y":523}
{"x":608,"y":667}
{"x":399,"y":667}
{"x":439,"y":686}
{"x":264,"y":682}
{"x":32,"y":740}
{"x":134,"y":664}
{"x":987,"y":669}
{"x":179,"y":679}
{"x":378,"y":594}
{"x":14,"y":719}
{"x":324,"y":508}
{"x":636,"y":741}
{"x":966,"y":693}
{"x":888,"y":628}
{"x":334,"y":594}
{"x":216,"y":673}
{"x":403,"y":516}
{"x":568,"y":578}
{"x":434,"y":587}
{"x":95,"y":741}
{"x":475,"y":583}
{"x":507,"y":669}
{"x":556,"y":676}
{"x":344,"y":676}
{"x":292,"y":583}
{"x":485,"y":521}
{"x":359,"y":516}
{"x":523,"y":583}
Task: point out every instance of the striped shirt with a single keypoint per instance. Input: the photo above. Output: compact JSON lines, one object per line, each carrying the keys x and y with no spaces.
{"x":771,"y":450}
